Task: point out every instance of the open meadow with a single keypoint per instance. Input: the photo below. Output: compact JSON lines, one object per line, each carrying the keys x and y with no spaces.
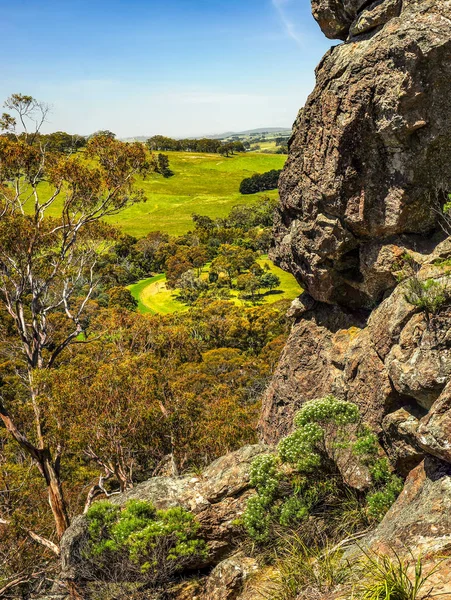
{"x":153,"y":296}
{"x":206,"y":184}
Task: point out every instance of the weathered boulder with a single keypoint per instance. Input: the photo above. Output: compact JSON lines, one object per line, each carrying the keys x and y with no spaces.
{"x":419,"y":365}
{"x":419,"y":523}
{"x":310,"y":367}
{"x":399,"y":438}
{"x":378,"y":13}
{"x":434,"y":430}
{"x":329,"y":351}
{"x":217,"y":497}
{"x":226,"y":581}
{"x":335,"y":16}
{"x":370,"y":150}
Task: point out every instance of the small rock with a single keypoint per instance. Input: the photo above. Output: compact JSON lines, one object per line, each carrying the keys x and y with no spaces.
{"x":227,"y":579}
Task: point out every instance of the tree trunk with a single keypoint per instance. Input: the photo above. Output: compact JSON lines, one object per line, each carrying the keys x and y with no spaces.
{"x":48,"y":468}
{"x":56,"y":496}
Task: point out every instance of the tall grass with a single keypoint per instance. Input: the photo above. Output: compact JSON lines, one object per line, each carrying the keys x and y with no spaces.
{"x":391,"y":578}
{"x":307,"y":572}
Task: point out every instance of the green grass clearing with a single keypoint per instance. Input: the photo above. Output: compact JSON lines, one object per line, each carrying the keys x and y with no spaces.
{"x":206,"y":184}
{"x":154,"y":297}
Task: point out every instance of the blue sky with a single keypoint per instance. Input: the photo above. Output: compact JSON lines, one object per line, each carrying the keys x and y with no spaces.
{"x":175,"y":67}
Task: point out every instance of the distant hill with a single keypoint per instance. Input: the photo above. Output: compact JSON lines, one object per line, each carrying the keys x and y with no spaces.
{"x":222,"y":136}
{"x":250,"y":132}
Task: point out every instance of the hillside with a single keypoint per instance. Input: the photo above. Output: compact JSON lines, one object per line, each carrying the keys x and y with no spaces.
{"x":227,"y":134}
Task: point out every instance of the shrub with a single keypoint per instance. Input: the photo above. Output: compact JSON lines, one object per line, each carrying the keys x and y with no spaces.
{"x":429,"y":296}
{"x":303,"y":475}
{"x":140,"y":542}
{"x":380,"y":501}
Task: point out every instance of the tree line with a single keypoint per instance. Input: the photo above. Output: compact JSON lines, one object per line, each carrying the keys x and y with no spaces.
{"x":260,"y":182}
{"x":165,"y":144}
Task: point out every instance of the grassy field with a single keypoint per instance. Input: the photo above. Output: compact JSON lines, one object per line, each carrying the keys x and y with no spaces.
{"x":202,"y":183}
{"x":154,"y":297}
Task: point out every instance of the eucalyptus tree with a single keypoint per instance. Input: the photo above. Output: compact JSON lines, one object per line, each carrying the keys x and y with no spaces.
{"x":51,"y":210}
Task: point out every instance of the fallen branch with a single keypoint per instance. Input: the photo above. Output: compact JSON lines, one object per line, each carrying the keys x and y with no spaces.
{"x":37,"y":538}
{"x":19,"y":581}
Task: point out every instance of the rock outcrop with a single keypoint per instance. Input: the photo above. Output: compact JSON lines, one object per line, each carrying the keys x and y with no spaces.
{"x":370,"y":150}
{"x":420,"y":521}
{"x":217,"y":498}
{"x":369,"y":169}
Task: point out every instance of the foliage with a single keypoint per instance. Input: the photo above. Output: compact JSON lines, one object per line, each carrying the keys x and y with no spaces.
{"x":429,"y":295}
{"x":163,"y":166}
{"x":140,"y":541}
{"x":379,"y":502}
{"x":303,"y":474}
{"x":120,"y":297}
{"x":260,"y":182}
{"x":160,"y":142}
{"x":47,"y":265}
{"x":307,"y":571}
{"x":388,"y":578}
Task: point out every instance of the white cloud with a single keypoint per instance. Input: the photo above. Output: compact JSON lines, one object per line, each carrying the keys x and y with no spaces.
{"x":290,"y":27}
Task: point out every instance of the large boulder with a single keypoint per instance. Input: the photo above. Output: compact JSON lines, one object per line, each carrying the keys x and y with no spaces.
{"x":310,"y":367}
{"x":336,"y":16}
{"x":434,"y":430}
{"x":217,"y":498}
{"x":419,"y":524}
{"x":329,"y":351}
{"x":227,"y":580}
{"x":370,"y":150}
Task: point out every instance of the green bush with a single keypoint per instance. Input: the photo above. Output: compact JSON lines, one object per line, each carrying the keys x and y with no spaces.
{"x":380,"y":501}
{"x":302,"y":476}
{"x":429,"y":296}
{"x":141,"y":542}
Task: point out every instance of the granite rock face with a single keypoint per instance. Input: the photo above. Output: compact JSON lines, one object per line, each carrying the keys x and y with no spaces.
{"x":370,"y":149}
{"x":369,"y":167}
{"x":336,"y":16}
{"x":395,"y":358}
{"x":419,"y":522}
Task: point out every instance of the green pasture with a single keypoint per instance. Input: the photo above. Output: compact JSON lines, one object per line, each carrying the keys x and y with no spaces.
{"x":207,"y":184}
{"x":154,"y":297}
